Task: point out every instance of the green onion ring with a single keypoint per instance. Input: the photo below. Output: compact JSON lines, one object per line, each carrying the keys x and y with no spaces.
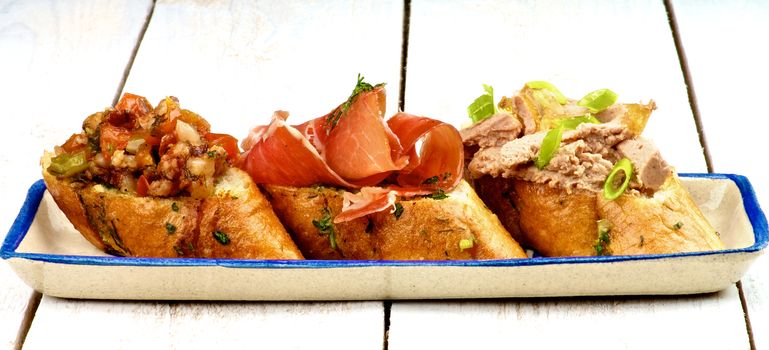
{"x":611,"y":193}
{"x":549,"y":147}
{"x":538,"y":84}
{"x":598,"y":100}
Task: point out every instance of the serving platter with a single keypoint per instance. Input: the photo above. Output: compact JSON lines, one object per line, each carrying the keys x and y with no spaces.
{"x":50,"y":256}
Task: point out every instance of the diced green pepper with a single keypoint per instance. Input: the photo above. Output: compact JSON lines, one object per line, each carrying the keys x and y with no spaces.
{"x":67,"y":165}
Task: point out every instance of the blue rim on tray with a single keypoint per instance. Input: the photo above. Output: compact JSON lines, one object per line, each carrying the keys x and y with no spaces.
{"x":35,"y":194}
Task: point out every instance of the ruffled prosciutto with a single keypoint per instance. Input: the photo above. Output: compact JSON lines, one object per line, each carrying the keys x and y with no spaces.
{"x":353,"y":147}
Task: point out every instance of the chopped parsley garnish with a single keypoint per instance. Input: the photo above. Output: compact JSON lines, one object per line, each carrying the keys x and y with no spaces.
{"x":431,"y":180}
{"x":601,"y":244}
{"x":678,"y":225}
{"x":170,"y":228}
{"x":178,"y":250}
{"x":175,"y":207}
{"x":211,"y":154}
{"x":398,"y":211}
{"x":439,"y":194}
{"x":221,"y":237}
{"x":326,"y":227}
{"x":360,"y":87}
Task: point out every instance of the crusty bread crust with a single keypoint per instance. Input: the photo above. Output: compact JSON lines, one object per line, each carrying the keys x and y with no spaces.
{"x":427,"y":229}
{"x":556,"y":223}
{"x":237,"y":222}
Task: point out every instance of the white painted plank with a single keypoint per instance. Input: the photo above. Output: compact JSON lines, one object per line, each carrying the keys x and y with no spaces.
{"x":622,"y":323}
{"x":59,"y":61}
{"x":235,"y":63}
{"x":67,"y":324}
{"x":725,"y":44}
{"x":579,"y":46}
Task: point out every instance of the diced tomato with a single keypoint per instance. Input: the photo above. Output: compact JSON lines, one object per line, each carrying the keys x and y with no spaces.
{"x":229,"y":143}
{"x":134,"y":104}
{"x":173,"y":112}
{"x":112,"y":138}
{"x":151,"y":140}
{"x":142,"y":186}
{"x":75,"y":143}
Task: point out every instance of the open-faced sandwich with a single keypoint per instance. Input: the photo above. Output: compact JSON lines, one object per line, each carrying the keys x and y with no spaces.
{"x":350,"y":185}
{"x":155,"y":182}
{"x":575,"y":178}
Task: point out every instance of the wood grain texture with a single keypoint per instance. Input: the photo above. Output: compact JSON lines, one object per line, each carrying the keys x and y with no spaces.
{"x":59,"y":61}
{"x":235,"y":63}
{"x":578,"y":46}
{"x":727,"y":56}
{"x":620,"y":323}
{"x":68,"y":324}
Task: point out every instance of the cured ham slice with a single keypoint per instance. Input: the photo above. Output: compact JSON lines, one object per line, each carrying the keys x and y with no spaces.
{"x":354,"y":148}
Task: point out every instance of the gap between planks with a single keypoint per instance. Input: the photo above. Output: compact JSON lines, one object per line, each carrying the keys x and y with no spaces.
{"x":35,"y":297}
{"x":700,"y":131}
{"x":26,"y":323}
{"x":401,"y":106}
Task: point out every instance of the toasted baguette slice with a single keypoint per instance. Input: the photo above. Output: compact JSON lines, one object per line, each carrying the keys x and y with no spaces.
{"x":236,"y":222}
{"x":556,"y":223}
{"x":426,"y":229}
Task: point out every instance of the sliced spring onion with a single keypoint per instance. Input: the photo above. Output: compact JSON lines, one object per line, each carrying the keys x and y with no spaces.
{"x":66,"y":165}
{"x":549,"y":147}
{"x":538,"y":84}
{"x":465,"y":244}
{"x":573,"y":122}
{"x":483,"y":106}
{"x":610,"y":191}
{"x":598,"y":100}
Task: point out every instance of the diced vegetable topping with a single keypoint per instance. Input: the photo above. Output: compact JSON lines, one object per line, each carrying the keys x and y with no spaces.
{"x":598,"y":100}
{"x":610,"y":190}
{"x":157,"y":152}
{"x":483,"y":106}
{"x":66,"y":165}
{"x":549,"y":87}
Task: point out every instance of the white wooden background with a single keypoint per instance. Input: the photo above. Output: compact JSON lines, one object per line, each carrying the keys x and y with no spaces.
{"x":235,"y":62}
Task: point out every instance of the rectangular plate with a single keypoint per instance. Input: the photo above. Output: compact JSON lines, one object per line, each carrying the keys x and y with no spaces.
{"x":53,"y":258}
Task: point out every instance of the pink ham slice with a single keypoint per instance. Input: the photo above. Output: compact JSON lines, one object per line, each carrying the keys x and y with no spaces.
{"x":361,"y":150}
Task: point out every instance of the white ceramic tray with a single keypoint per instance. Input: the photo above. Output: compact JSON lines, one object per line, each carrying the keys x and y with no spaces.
{"x":50,"y":256}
